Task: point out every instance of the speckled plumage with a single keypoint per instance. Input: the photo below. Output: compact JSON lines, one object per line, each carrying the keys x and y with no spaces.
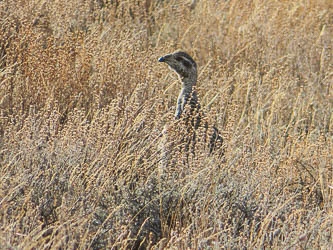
{"x":186,"y":68}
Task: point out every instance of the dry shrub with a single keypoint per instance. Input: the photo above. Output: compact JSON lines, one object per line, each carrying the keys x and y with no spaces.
{"x":84,"y":102}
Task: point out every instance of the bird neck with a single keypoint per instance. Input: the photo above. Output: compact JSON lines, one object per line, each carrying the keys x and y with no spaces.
{"x":187,"y":84}
{"x":185,"y":94}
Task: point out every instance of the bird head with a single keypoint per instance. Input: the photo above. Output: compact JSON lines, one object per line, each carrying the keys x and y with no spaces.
{"x":181,"y":63}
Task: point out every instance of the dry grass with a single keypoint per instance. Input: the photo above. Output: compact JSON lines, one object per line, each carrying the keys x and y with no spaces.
{"x":83,"y":102}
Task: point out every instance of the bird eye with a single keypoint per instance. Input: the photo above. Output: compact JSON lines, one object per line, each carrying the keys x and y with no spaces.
{"x":186,"y":64}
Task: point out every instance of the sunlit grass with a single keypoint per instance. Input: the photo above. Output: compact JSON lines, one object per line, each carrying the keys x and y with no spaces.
{"x":83,"y":102}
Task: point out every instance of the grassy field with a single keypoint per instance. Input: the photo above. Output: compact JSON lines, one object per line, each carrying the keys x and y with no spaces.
{"x":83,"y":102}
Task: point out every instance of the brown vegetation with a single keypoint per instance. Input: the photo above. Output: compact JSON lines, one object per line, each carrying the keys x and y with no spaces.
{"x":83,"y":102}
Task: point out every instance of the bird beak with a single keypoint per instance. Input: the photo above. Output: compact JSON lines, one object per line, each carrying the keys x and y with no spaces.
{"x":164,"y":58}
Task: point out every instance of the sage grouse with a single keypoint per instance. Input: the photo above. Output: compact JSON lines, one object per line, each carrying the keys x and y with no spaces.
{"x":188,"y":107}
